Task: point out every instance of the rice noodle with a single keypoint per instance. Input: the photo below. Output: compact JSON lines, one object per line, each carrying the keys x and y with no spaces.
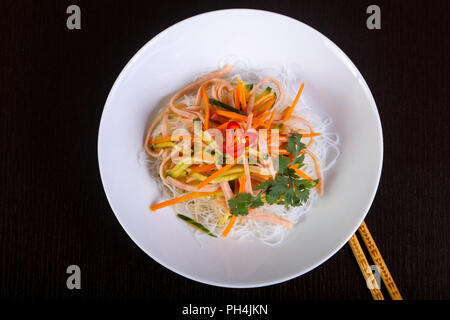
{"x":269,"y":224}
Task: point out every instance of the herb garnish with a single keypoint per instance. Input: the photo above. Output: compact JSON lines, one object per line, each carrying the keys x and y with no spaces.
{"x":287,"y":188}
{"x":240,"y":204}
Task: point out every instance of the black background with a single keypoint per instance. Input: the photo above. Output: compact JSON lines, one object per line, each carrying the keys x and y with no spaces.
{"x":54,"y":212}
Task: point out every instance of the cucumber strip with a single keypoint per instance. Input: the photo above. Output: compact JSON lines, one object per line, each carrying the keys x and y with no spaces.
{"x":228,"y":177}
{"x":179,"y":168}
{"x":162,"y":145}
{"x":196,"y":225}
{"x":198,"y":176}
{"x":262,"y":106}
{"x":237,"y":169}
{"x":181,"y":171}
{"x":262,"y":94}
{"x":222,"y":178}
{"x":225,"y":106}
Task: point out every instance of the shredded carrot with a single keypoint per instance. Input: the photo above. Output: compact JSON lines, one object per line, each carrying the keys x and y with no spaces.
{"x":206,"y":102}
{"x":167,"y":139}
{"x":233,"y":115}
{"x":215,"y":117}
{"x":203,"y":168}
{"x":263,"y":116}
{"x":233,"y":218}
{"x":260,"y":120}
{"x":229,"y":226}
{"x":301,"y":173}
{"x":304,"y":135}
{"x":290,"y":109}
{"x":260,"y":176}
{"x":310,"y":135}
{"x":283,"y":151}
{"x":270,"y":120}
{"x":241,"y":184}
{"x":215,"y":175}
{"x":236,"y":98}
{"x":186,"y":197}
{"x":162,"y":139}
{"x":266,"y":106}
{"x":241,"y":86}
{"x":263,"y":100}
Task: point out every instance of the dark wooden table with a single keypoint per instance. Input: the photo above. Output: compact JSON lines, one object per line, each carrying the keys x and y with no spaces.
{"x":54,"y":212}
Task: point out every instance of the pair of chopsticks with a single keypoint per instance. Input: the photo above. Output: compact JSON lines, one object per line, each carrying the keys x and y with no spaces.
{"x":379,"y":262}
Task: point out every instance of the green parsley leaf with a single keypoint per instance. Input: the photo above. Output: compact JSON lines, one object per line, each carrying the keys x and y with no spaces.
{"x":287,"y":188}
{"x":283,"y":163}
{"x":272,"y":198}
{"x":240,"y":204}
{"x":303,"y":195}
{"x":298,"y":160}
{"x":294,"y":145}
{"x":264,"y":185}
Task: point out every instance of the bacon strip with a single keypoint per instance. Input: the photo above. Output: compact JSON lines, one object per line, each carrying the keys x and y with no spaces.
{"x":149,"y":137}
{"x":270,"y":218}
{"x":194,"y":86}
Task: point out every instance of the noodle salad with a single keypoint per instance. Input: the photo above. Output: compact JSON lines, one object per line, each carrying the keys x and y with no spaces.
{"x":239,"y":155}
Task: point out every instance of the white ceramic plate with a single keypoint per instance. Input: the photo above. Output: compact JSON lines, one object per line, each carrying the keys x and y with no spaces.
{"x":167,"y":63}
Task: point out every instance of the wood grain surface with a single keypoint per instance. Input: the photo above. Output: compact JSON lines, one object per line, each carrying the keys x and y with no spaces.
{"x":54,"y":213}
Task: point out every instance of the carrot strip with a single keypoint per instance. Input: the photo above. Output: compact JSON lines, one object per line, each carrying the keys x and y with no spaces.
{"x":162,"y":139}
{"x":289,"y":110}
{"x":283,"y":151}
{"x":216,"y":118}
{"x":236,"y":98}
{"x":261,"y":176}
{"x":229,"y":226}
{"x":304,"y":135}
{"x":207,"y":106}
{"x":203,"y":168}
{"x":301,"y":173}
{"x":233,"y":218}
{"x":261,"y":119}
{"x":233,"y":115}
{"x":242,"y":95}
{"x":167,"y":139}
{"x":310,"y":135}
{"x":241,"y":184}
{"x":263,"y":100}
{"x":266,"y":106}
{"x":187,"y":197}
{"x":263,"y":116}
{"x":215,"y":175}
{"x":270,"y":120}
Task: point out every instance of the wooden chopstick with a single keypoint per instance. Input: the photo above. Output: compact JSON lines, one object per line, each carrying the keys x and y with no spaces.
{"x":365,"y":267}
{"x":379,"y":261}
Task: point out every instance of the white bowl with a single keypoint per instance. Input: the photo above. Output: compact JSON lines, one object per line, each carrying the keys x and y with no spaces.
{"x":168,"y":62}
